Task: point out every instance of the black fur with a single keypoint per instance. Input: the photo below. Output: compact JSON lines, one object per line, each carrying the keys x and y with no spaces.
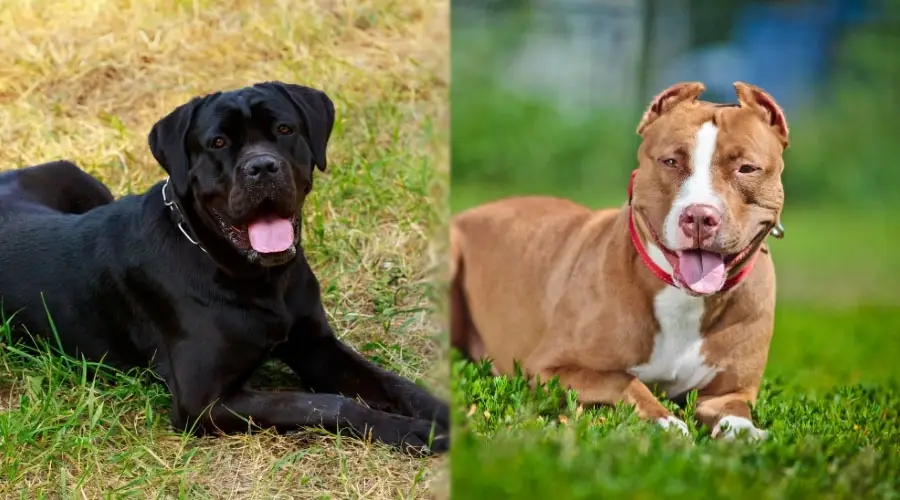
{"x":123,"y":283}
{"x":58,"y":186}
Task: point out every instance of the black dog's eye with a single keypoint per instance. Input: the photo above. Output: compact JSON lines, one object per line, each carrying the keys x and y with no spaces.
{"x":284,"y":130}
{"x":748,"y":169}
{"x":217,"y":143}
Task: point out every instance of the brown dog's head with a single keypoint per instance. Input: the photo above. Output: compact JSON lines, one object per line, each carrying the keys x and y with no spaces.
{"x":709,"y":180}
{"x":242,"y":163}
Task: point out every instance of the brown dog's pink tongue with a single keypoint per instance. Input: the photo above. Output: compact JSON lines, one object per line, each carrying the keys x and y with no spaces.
{"x":271,"y":234}
{"x":703,"y":272}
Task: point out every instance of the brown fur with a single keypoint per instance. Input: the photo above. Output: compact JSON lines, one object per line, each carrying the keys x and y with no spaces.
{"x":560,"y":289}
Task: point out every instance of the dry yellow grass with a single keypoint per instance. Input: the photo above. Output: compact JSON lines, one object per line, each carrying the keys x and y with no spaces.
{"x":86,"y":80}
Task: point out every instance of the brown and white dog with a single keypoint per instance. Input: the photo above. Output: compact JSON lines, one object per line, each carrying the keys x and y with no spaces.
{"x":675,"y":290}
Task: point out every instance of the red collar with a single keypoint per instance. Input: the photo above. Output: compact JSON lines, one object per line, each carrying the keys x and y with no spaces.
{"x":660,"y":272}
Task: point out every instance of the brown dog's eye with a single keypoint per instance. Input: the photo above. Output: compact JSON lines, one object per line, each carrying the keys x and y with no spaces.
{"x":748,"y":169}
{"x":669,"y":162}
{"x":284,"y":130}
{"x":217,"y":143}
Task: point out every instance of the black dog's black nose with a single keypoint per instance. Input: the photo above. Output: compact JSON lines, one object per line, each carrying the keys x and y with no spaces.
{"x":258,"y":168}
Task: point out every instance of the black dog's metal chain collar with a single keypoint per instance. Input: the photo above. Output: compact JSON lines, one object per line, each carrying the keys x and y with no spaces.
{"x":179,"y":217}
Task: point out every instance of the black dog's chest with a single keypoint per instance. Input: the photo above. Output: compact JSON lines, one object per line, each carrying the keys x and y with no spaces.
{"x":264,"y":324}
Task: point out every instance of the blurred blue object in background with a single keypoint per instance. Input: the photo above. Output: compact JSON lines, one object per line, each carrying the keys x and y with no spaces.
{"x":782,"y":47}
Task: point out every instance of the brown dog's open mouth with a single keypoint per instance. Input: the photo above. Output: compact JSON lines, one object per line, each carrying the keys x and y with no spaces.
{"x":703,"y":272}
{"x":700,"y":271}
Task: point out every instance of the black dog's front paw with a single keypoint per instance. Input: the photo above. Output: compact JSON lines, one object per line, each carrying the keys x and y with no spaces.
{"x":420,"y":404}
{"x":413,"y":436}
{"x":442,"y":415}
{"x":426,"y":438}
{"x":430,"y":409}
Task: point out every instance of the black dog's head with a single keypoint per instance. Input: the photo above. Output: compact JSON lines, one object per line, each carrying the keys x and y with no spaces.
{"x":243,"y":162}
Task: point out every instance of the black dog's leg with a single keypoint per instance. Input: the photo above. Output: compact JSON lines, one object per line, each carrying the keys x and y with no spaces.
{"x":325,"y":364}
{"x":289,"y":411}
{"x":208,"y":396}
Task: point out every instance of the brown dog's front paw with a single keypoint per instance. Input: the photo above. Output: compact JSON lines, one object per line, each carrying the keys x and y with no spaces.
{"x":731,"y":427}
{"x":674,"y":424}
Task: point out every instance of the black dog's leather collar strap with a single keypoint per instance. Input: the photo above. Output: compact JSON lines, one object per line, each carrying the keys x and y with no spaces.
{"x":181,"y":222}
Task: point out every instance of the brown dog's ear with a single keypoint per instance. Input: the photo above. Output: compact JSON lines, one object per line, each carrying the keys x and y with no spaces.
{"x":317,"y":111}
{"x":757,"y":99}
{"x":668,"y":99}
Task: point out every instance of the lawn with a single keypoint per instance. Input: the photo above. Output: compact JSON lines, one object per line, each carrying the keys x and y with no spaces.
{"x":830,"y":399}
{"x":87,"y":80}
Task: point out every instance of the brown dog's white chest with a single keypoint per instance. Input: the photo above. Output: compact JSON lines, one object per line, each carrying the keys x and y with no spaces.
{"x":677,"y":364}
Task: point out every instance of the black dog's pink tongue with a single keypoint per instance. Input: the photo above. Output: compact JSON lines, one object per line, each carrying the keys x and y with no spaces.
{"x":271,"y":234}
{"x":703,"y":272}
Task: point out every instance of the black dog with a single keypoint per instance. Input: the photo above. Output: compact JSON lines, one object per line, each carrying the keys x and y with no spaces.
{"x":55,"y":187}
{"x":203,"y":278}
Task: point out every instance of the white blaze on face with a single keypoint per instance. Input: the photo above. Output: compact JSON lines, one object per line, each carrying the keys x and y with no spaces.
{"x":697,"y":189}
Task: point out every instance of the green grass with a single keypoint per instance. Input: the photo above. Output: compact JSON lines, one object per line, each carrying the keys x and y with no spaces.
{"x":830,"y":403}
{"x":72,"y":419}
{"x":839,"y":443}
{"x":830,"y":399}
{"x":818,"y":348}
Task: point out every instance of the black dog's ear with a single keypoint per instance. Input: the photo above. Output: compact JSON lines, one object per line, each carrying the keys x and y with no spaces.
{"x":168,"y":143}
{"x":317,"y":111}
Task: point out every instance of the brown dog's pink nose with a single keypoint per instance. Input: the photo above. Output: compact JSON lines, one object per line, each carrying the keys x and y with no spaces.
{"x":700,"y":223}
